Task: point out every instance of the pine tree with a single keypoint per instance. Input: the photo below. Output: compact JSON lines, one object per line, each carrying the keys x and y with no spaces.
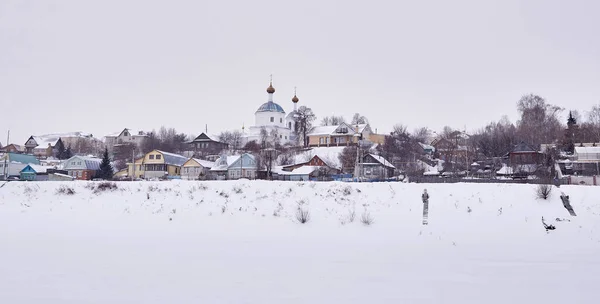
{"x":106,"y":171}
{"x":60,"y":150}
{"x":68,"y":154}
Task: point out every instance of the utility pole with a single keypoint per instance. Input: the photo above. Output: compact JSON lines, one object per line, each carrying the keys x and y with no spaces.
{"x":133,"y":162}
{"x":5,"y":169}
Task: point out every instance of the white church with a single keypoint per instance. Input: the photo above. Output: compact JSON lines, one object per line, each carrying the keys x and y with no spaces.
{"x":271,"y":116}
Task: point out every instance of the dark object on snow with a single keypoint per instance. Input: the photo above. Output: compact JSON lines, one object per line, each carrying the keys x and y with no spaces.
{"x":548,"y":227}
{"x":425,"y":197}
{"x":567,"y":204}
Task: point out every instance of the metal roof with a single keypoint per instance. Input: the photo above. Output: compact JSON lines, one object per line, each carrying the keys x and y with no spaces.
{"x":23,"y":158}
{"x":270,"y":107}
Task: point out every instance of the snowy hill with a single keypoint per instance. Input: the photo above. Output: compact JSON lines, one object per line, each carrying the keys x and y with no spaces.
{"x":240,"y":242}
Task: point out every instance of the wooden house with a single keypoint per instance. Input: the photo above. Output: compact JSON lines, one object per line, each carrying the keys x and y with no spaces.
{"x":42,"y":147}
{"x":196,"y":169}
{"x":204,"y":145}
{"x":161,"y":164}
{"x":376,"y":167}
{"x":341,"y":135}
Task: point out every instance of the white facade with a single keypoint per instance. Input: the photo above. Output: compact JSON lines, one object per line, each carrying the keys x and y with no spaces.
{"x":272,"y":117}
{"x":124,"y":137}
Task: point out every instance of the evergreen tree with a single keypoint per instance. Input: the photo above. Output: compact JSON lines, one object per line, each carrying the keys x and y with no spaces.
{"x":68,"y":153}
{"x":106,"y":171}
{"x":60,"y":150}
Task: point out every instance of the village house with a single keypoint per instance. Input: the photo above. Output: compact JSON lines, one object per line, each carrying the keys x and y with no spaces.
{"x":33,"y":172}
{"x":204,"y":145}
{"x":11,"y":164}
{"x":126,"y":136}
{"x":12,"y":148}
{"x":196,"y":169}
{"x":524,"y":160}
{"x":82,"y":167}
{"x":161,"y":164}
{"x":314,"y":169}
{"x":376,"y":167}
{"x":234,"y":167}
{"x":340,"y":135}
{"x":587,"y":160}
{"x":137,"y":169}
{"x":42,"y":147}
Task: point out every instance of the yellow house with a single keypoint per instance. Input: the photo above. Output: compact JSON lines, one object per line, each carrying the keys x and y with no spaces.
{"x":158,"y":164}
{"x":139,"y":168}
{"x":194,"y":169}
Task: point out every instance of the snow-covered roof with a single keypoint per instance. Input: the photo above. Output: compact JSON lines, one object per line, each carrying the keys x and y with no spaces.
{"x":587,"y":150}
{"x":45,"y":140}
{"x":331,"y":130}
{"x":204,"y":163}
{"x":39,"y":168}
{"x":382,"y":161}
{"x":223,"y":163}
{"x":322,"y":130}
{"x":329,"y":155}
{"x":173,"y":159}
{"x":131,"y":132}
{"x":304,"y":170}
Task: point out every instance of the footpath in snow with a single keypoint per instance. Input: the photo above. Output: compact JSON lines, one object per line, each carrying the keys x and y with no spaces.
{"x":241,"y":242}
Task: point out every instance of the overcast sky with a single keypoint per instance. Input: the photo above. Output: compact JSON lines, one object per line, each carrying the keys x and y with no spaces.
{"x":101,"y":66}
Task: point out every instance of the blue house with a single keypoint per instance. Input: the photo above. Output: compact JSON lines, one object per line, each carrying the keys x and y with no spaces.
{"x":234,"y":167}
{"x":11,"y":164}
{"x":34,"y":173}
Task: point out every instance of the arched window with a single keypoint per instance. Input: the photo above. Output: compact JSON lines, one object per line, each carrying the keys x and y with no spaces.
{"x":290,"y":124}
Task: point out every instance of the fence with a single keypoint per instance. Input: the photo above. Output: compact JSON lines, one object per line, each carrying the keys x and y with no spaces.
{"x":452,"y":180}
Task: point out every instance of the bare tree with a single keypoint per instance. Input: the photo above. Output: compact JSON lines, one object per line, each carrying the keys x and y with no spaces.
{"x":332,"y":120}
{"x":593,"y":120}
{"x":359,"y":119}
{"x":274,"y":138}
{"x":304,"y":118}
{"x":264,"y":137}
{"x":539,"y":121}
{"x":421,"y":134}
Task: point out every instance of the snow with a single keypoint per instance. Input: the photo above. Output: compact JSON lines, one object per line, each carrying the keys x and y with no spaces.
{"x":238,"y":242}
{"x":382,"y":161}
{"x":330,"y":155}
{"x":204,"y":163}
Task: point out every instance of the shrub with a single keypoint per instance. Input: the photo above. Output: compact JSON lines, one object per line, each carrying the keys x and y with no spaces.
{"x":543,"y":191}
{"x":302,"y":215}
{"x":347,"y":190}
{"x":65,"y":190}
{"x":366,"y":218}
{"x":104,"y":186}
{"x":237,"y":189}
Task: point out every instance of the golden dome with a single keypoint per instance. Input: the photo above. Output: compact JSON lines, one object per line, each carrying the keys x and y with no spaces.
{"x":271,"y":89}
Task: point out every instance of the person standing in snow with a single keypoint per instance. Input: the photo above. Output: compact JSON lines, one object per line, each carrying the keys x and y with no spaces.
{"x":425,"y":197}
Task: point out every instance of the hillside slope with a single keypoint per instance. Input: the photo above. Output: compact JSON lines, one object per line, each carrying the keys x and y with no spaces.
{"x":240,"y":242}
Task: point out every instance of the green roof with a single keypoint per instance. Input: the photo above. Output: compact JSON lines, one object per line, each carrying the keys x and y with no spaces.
{"x":23,"y":158}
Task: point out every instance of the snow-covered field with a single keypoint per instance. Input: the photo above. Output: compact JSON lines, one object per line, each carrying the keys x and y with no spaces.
{"x":239,"y":242}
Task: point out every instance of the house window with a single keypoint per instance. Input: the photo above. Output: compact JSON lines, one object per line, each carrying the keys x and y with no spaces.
{"x":286,"y":137}
{"x":140,"y":168}
{"x":158,"y":156}
{"x":280,"y":136}
{"x":289,"y":125}
{"x":280,"y":120}
{"x":272,"y":119}
{"x":151,"y":156}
